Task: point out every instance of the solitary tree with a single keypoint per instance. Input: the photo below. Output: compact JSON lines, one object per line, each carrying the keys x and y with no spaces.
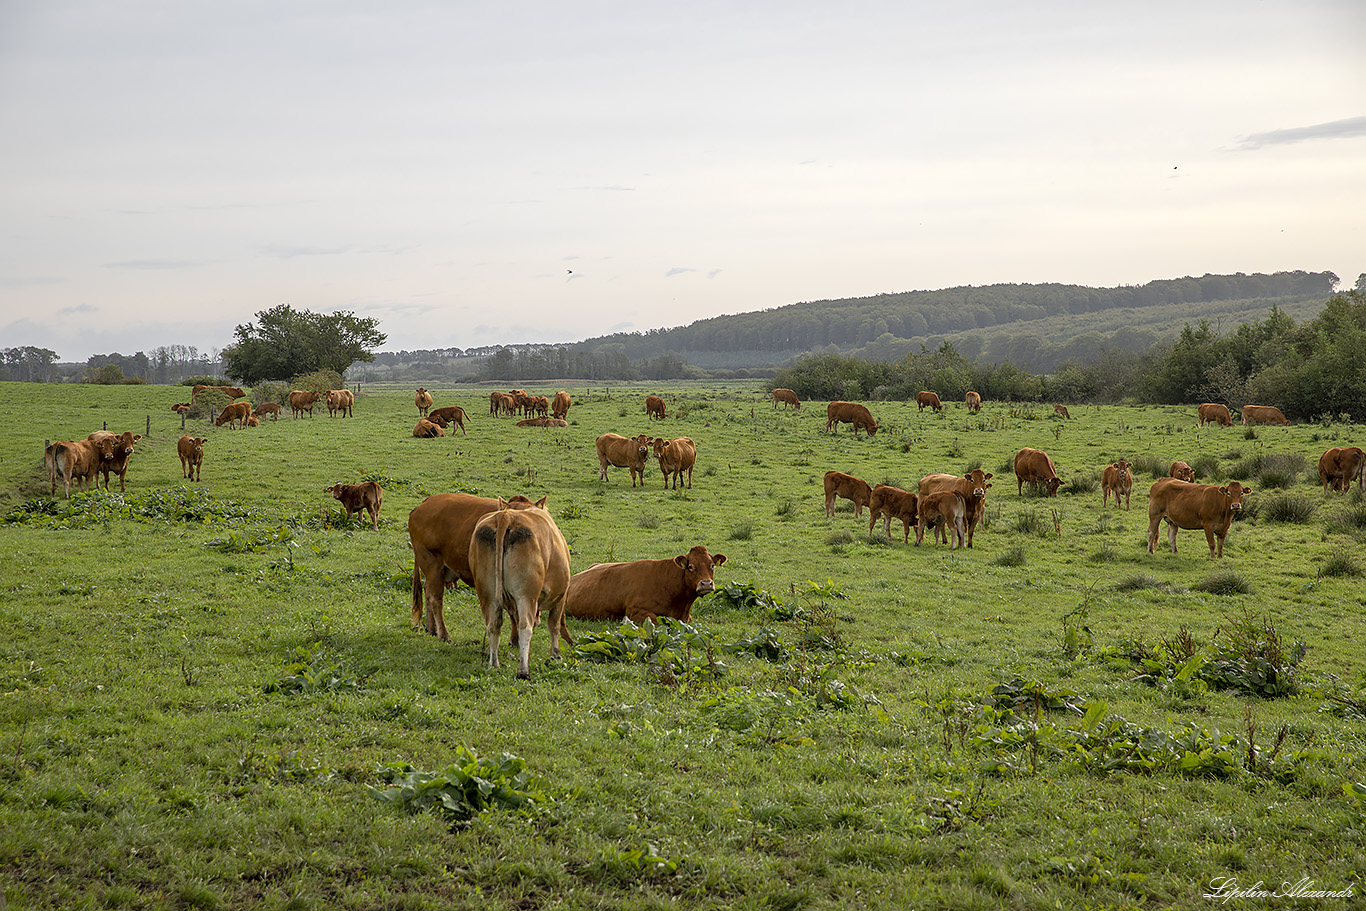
{"x":285,"y":343}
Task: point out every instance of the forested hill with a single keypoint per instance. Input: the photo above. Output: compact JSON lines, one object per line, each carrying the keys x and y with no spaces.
{"x":1033,"y":326}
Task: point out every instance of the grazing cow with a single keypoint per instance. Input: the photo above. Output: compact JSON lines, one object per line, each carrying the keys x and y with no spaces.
{"x":1182,"y":471}
{"x":439,"y":529}
{"x":425,"y":429}
{"x":423,"y":400}
{"x":837,"y":413}
{"x":1217,"y":414}
{"x":654,"y":407}
{"x":1263,"y":414}
{"x":1117,"y":478}
{"x":542,"y":422}
{"x":675,"y":457}
{"x":1033,"y":466}
{"x":974,"y":401}
{"x":787,"y":397}
{"x":268,"y":408}
{"x":1186,"y":505}
{"x":340,"y":400}
{"x":252,"y":421}
{"x":945,"y":512}
{"x":1062,"y":410}
{"x":181,"y":408}
{"x":560,"y":407}
{"x":501,"y":404}
{"x":839,"y":484}
{"x":1340,"y":466}
{"x":892,"y":503}
{"x":191,"y":450}
{"x":520,"y":563}
{"x":450,"y":414}
{"x":301,"y":401}
{"x":123,"y":451}
{"x":972,"y":487}
{"x":234,"y":415}
{"x":928,"y":400}
{"x":357,"y":498}
{"x":642,"y":590}
{"x":623,"y":452}
{"x":79,"y":461}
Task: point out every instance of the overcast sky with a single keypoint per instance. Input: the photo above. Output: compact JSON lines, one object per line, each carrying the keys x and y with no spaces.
{"x":474,"y":173}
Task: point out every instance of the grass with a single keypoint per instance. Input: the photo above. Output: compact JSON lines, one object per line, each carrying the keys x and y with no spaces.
{"x":201,"y":686}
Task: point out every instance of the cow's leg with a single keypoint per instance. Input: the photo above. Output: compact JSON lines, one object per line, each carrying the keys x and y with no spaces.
{"x":829,"y":505}
{"x":525,"y":620}
{"x":1210,"y":539}
{"x":493,"y":626}
{"x":1154,"y":523}
{"x":1171,"y":534}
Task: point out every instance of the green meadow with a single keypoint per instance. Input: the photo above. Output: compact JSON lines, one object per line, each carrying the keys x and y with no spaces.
{"x":211,"y":695}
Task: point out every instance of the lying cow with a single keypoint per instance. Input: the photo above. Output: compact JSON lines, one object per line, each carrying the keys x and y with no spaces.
{"x":542,"y":422}
{"x":1182,"y":471}
{"x":1186,"y":505}
{"x":946,"y":512}
{"x":890,"y":503}
{"x":839,"y":484}
{"x":1117,"y":479}
{"x":623,"y":452}
{"x":642,"y":589}
{"x":123,"y":451}
{"x":191,"y":452}
{"x":837,"y":413}
{"x":450,"y":414}
{"x":425,"y":429}
{"x":357,"y":498}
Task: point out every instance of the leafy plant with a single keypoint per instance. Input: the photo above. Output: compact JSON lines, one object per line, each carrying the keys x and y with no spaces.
{"x":464,"y":789}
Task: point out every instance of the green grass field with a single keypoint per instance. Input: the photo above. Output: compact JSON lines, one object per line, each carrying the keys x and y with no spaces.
{"x":211,"y":696}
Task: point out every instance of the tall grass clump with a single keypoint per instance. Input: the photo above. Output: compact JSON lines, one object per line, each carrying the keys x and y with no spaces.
{"x":1014,"y":556}
{"x":1289,"y":507}
{"x":1340,"y":563}
{"x":1150,"y":465}
{"x":1207,"y":467}
{"x":1030,"y":522}
{"x":1224,"y":582}
{"x":1140,"y":582}
{"x":1082,"y":483}
{"x":1269,"y":469}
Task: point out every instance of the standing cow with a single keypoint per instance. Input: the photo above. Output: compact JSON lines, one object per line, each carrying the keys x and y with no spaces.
{"x":340,"y":400}
{"x":1213,"y":413}
{"x":839,"y":484}
{"x":1186,"y":505}
{"x":1340,"y":466}
{"x":358,"y":498}
{"x":654,"y":407}
{"x":1118,"y":479}
{"x":559,"y":408}
{"x":929,"y":400}
{"x":448,"y":414}
{"x":302,"y":400}
{"x":1062,"y":410}
{"x":423,"y":400}
{"x":947,"y":513}
{"x":837,"y":413}
{"x":972,"y":487}
{"x":892,"y":503}
{"x":191,"y":452}
{"x":79,"y":461}
{"x":787,"y":397}
{"x":675,"y":457}
{"x":974,"y":401}
{"x":1034,"y":467}
{"x":623,"y":452}
{"x":234,"y":415}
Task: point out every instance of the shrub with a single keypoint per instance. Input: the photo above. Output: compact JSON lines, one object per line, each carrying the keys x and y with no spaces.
{"x":318,"y":381}
{"x":1139,"y":582}
{"x":271,"y":392}
{"x":1224,"y":582}
{"x":1289,"y":507}
{"x":1082,"y":484}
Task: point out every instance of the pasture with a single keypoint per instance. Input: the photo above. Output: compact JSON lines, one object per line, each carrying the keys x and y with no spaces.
{"x":211,"y":695}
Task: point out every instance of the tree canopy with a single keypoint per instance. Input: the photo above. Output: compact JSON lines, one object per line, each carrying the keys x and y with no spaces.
{"x":284,"y":343}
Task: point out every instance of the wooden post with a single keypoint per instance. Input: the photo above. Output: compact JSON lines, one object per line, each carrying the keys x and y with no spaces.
{"x":148,"y":434}
{"x":182,"y":419}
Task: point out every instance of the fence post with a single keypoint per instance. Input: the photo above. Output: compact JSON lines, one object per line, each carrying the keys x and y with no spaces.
{"x":182,"y":418}
{"x":148,"y":434}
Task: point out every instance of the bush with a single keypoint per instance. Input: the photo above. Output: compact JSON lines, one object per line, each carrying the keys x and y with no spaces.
{"x":270,"y":392}
{"x":206,"y":381}
{"x":1289,"y":507}
{"x":318,"y":381}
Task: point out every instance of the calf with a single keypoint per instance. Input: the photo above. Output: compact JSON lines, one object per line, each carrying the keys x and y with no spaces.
{"x":787,"y":397}
{"x":355,"y":498}
{"x":675,"y":457}
{"x":1182,"y":471}
{"x":654,"y":407}
{"x":972,"y":486}
{"x":947,"y":512}
{"x":191,"y":450}
{"x":451,"y":414}
{"x":892,"y":503}
{"x":839,"y":484}
{"x":234,"y":415}
{"x":974,"y":401}
{"x":1117,"y":479}
{"x":1062,"y":410}
{"x":123,"y":451}
{"x":268,"y":408}
{"x":425,"y":429}
{"x":928,"y":400}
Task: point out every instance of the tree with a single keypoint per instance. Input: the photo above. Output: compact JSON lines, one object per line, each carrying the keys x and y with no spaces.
{"x":285,"y":343}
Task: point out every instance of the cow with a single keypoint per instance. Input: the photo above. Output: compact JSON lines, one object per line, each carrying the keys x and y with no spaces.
{"x":500,"y":404}
{"x":181,"y":408}
{"x":1262,"y":414}
{"x":301,"y":401}
{"x":1187,"y":505}
{"x":439,"y":530}
{"x":642,"y":590}
{"x":521,"y":401}
{"x":1340,"y":466}
{"x":542,"y":422}
{"x":268,"y":408}
{"x":890,"y":503}
{"x":787,"y":397}
{"x":191,"y":450}
{"x":623,"y":452}
{"x":425,"y":429}
{"x":947,"y":513}
{"x":520,"y":563}
{"x":972,"y":486}
{"x":654,"y":407}
{"x":675,"y":457}
{"x":340,"y":400}
{"x":837,"y":413}
{"x":423,"y":400}
{"x":1033,"y":466}
{"x":232,"y":392}
{"x":974,"y":401}
{"x":233,"y":415}
{"x":559,"y":408}
{"x":450,"y":414}
{"x":928,"y":400}
{"x":1182,"y":471}
{"x":1062,"y":410}
{"x":79,"y":461}
{"x":1217,"y":414}
{"x":839,"y":484}
{"x":252,"y":421}
{"x":357,"y":498}
{"x":123,"y":451}
{"x":1118,"y":478}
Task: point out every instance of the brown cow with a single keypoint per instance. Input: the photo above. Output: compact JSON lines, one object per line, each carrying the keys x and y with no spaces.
{"x":675,"y":457}
{"x":974,"y":401}
{"x":837,"y":413}
{"x":654,"y":407}
{"x":232,"y":392}
{"x":1263,"y":414}
{"x":945,"y":512}
{"x":1186,"y":505}
{"x":356,"y":498}
{"x":892,"y":503}
{"x":425,"y":429}
{"x":340,"y":400}
{"x":501,"y":404}
{"x":301,"y":401}
{"x":929,"y":400}
{"x":520,"y":563}
{"x":450,"y":414}
{"x":1340,"y":466}
{"x":1033,"y":466}
{"x":181,"y":407}
{"x":1062,"y":410}
{"x":439,"y":530}
{"x":542,"y":422}
{"x":234,"y":415}
{"x":839,"y":484}
{"x":79,"y":461}
{"x":191,"y":450}
{"x":123,"y":451}
{"x":1182,"y":471}
{"x":1212,"y":413}
{"x":560,"y":407}
{"x":252,"y":421}
{"x":1118,"y":478}
{"x":642,"y":590}
{"x":973,"y":488}
{"x":787,"y":397}
{"x":268,"y":408}
{"x":623,"y":452}
{"x":423,"y":400}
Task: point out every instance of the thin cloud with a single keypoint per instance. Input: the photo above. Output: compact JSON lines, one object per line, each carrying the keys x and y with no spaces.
{"x":282,"y":251}
{"x":677,"y":270}
{"x":1334,"y":129}
{"x":153,"y":264}
{"x":79,"y":308}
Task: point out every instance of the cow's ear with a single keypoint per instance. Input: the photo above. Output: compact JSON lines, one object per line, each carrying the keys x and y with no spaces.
{"x":540,"y":504}
{"x":985,"y":486}
{"x":718,"y":559}
{"x":682,"y":561}
{"x":990,"y":475}
{"x":136,"y":437}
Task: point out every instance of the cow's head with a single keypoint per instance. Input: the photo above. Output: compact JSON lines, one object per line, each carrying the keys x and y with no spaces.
{"x":125,"y":443}
{"x":1053,"y":485}
{"x":337,"y":490}
{"x":1235,"y":493}
{"x":106,"y":447}
{"x":698,"y":566}
{"x":872,"y":429}
{"x":979,"y":478}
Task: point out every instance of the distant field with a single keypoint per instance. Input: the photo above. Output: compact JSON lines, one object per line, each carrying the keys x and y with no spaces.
{"x":201,"y":684}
